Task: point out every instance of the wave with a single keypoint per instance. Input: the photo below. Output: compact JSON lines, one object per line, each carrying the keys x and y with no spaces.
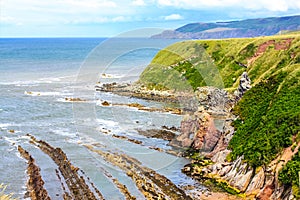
{"x":48,"y":80}
{"x":34,"y":93}
{"x":108,"y":123}
{"x":64,"y":132}
{"x":5,"y":125}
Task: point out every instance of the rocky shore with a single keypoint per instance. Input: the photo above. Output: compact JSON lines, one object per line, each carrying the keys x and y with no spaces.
{"x":208,"y":144}
{"x":200,"y":110}
{"x":139,"y":91}
{"x":204,"y":136}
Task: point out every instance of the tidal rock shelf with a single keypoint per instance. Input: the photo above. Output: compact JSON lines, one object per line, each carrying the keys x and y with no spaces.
{"x":141,"y":107}
{"x":78,"y":186}
{"x":35,"y":183}
{"x":137,"y":92}
{"x":150,"y":183}
{"x":122,"y":188}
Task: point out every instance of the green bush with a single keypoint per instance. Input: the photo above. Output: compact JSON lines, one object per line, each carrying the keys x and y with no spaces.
{"x":269,"y":116}
{"x":290,"y":174}
{"x":191,"y":74}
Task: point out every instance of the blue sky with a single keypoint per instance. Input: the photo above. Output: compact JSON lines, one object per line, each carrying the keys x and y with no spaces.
{"x":102,"y":18}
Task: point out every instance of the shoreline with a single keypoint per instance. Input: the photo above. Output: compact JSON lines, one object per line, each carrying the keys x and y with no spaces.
{"x":212,"y":191}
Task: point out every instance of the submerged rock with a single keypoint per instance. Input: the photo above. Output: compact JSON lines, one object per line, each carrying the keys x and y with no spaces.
{"x":105,"y":103}
{"x":74,"y":99}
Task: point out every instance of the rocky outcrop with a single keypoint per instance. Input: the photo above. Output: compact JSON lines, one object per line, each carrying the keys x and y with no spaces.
{"x":198,"y":130}
{"x":207,"y":135}
{"x":257,"y":181}
{"x":188,"y":129}
{"x":245,"y":85}
{"x":213,"y":99}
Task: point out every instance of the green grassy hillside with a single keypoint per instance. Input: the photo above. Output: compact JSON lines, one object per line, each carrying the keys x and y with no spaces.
{"x":220,"y":62}
{"x":269,"y":113}
{"x":270,"y":25}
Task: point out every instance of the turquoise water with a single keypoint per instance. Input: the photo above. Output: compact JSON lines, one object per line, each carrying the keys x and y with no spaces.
{"x":36,"y":75}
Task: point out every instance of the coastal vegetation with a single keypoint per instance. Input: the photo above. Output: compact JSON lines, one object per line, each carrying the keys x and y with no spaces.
{"x":196,"y":61}
{"x":290,"y":174}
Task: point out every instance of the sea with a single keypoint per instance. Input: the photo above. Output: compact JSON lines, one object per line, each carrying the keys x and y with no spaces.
{"x":38,"y":75}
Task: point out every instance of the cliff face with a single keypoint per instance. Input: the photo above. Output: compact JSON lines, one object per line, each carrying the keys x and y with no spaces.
{"x":234,"y":29}
{"x":254,"y":151}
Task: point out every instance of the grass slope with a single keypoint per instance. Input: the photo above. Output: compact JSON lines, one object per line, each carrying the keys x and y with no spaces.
{"x":221,"y":60}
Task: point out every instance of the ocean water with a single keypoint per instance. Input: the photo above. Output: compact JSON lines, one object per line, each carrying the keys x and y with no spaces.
{"x":37,"y":74}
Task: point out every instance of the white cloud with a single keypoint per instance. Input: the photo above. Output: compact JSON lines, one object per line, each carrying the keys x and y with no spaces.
{"x":98,"y":20}
{"x":7,"y":20}
{"x":166,"y":3}
{"x":173,"y":17}
{"x":274,"y":5}
{"x":63,"y":11}
{"x":138,"y":3}
{"x":68,"y":5}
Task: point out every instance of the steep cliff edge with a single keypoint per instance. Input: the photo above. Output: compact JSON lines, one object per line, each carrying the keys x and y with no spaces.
{"x":255,"y":151}
{"x":258,"y":156}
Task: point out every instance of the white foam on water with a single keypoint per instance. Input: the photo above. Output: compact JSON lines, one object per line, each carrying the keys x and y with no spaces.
{"x":48,"y":80}
{"x":5,"y":125}
{"x":63,"y":132}
{"x":108,"y":123}
{"x":35,"y":93}
{"x":10,"y":140}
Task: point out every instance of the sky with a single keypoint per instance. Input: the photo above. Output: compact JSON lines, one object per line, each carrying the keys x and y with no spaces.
{"x":108,"y":18}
